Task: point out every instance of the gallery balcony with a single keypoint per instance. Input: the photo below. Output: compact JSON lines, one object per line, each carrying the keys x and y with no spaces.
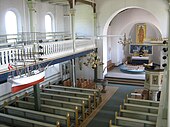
{"x":56,"y":47}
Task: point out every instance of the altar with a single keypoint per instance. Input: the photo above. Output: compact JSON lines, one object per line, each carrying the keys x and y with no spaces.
{"x":139,"y":60}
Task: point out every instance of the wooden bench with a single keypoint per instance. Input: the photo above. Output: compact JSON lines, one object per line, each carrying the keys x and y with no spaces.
{"x":131,"y":122}
{"x":52,"y":109}
{"x":83,"y":90}
{"x":64,"y":104}
{"x":75,"y":89}
{"x":142,"y":108}
{"x":110,"y":65}
{"x":18,"y":121}
{"x":142,"y":102}
{"x":39,"y":116}
{"x":73,"y":93}
{"x":87,"y":101}
{"x":139,"y":115}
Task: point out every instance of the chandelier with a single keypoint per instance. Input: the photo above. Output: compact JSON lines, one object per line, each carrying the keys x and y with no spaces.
{"x":125,"y":41}
{"x":92,"y":60}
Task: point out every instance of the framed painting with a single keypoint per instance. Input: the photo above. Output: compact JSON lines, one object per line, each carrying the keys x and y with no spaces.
{"x":140,"y":33}
{"x":136,"y":49}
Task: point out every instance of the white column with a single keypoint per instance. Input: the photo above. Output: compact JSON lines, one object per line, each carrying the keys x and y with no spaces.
{"x":168,"y":76}
{"x":32,"y":12}
{"x":72,"y":25}
{"x":95,"y":35}
{"x":95,"y":24}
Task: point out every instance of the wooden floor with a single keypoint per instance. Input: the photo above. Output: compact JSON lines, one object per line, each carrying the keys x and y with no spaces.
{"x":110,"y":90}
{"x":116,"y":73}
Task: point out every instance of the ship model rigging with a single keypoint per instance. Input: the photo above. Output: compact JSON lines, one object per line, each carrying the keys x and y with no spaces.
{"x":28,"y":72}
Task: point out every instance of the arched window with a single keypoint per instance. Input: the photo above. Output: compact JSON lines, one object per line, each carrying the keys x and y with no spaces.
{"x":48,"y":23}
{"x":11,"y":22}
{"x":11,"y":26}
{"x":48,"y":26}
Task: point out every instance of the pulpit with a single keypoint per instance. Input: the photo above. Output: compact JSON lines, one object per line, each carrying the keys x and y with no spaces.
{"x":153,"y":82}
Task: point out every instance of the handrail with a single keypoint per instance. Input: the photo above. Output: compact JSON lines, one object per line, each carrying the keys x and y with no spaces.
{"x":31,"y":37}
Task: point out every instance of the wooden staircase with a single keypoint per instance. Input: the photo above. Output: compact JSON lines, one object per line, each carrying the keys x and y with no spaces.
{"x":125,"y":81}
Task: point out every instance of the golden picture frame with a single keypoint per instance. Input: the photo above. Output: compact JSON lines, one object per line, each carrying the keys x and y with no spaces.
{"x":140,"y":33}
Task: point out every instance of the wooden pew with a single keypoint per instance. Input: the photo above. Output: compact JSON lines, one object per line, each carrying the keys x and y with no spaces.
{"x":87,"y":101}
{"x":141,"y":108}
{"x":18,"y":121}
{"x":138,"y":115}
{"x":72,"y":93}
{"x":142,"y":102}
{"x":132,"y":122}
{"x":63,"y":104}
{"x":76,"y":89}
{"x":37,"y":115}
{"x":52,"y":109}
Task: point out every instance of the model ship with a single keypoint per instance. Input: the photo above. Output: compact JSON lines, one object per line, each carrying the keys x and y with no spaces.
{"x":25,"y":75}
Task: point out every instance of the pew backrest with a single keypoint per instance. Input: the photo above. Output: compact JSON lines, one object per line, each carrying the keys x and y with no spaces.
{"x":12,"y":120}
{"x":36,"y":115}
{"x":46,"y":108}
{"x":64,"y":97}
{"x":142,"y":102}
{"x":71,"y":93}
{"x":142,"y":108}
{"x":139,"y":115}
{"x":124,"y":121}
{"x":74,"y":89}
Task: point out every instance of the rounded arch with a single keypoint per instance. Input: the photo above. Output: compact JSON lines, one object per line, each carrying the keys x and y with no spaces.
{"x":122,"y":9}
{"x":18,"y":18}
{"x":49,"y":17}
{"x":126,"y":26}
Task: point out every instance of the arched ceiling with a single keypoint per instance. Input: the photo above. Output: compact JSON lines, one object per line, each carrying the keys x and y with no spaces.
{"x":125,"y":20}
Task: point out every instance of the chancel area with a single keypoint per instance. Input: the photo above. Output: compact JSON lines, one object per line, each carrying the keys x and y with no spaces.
{"x":84,"y":63}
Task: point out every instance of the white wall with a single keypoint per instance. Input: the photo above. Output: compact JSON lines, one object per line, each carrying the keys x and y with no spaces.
{"x":84,"y":20}
{"x":21,"y":8}
{"x":6,"y":5}
{"x":86,"y":72}
{"x":106,"y":10}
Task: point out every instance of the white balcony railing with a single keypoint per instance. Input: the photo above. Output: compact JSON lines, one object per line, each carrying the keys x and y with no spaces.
{"x":52,"y":49}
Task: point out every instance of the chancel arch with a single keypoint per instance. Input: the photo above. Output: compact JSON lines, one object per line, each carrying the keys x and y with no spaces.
{"x":124,"y":21}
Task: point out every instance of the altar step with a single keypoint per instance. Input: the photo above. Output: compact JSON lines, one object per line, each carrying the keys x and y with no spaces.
{"x":125,"y":81}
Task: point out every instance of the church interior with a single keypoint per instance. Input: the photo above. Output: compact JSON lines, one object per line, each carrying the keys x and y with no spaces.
{"x":84,"y":63}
